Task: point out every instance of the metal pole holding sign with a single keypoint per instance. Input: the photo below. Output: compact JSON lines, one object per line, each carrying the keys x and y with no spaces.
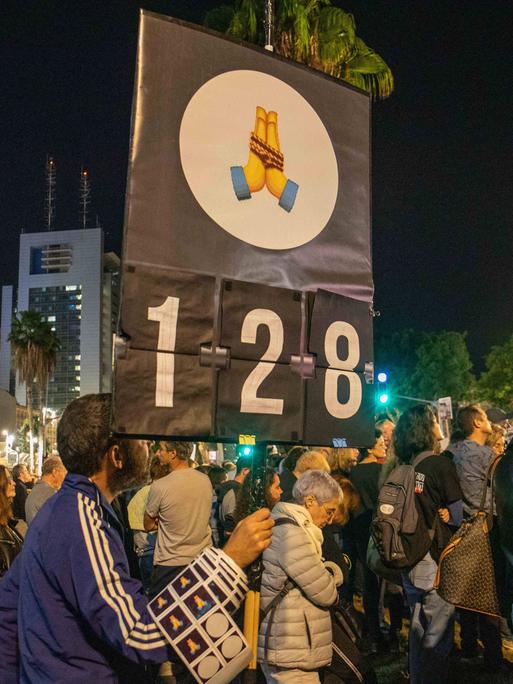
{"x":269,"y":25}
{"x":254,"y":572}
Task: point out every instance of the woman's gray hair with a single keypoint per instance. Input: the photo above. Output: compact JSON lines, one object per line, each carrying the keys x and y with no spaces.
{"x":316,"y":483}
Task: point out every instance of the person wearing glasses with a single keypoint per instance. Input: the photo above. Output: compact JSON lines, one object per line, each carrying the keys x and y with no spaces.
{"x":297,"y":586}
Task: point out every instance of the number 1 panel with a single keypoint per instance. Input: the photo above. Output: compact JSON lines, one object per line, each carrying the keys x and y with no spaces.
{"x":161,"y":394}
{"x":259,"y":393}
{"x":159,"y":386}
{"x":167,"y":310}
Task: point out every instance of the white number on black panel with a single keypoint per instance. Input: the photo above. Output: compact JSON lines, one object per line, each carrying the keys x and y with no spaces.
{"x":249,"y":402}
{"x":349,"y":408}
{"x":167,"y":317}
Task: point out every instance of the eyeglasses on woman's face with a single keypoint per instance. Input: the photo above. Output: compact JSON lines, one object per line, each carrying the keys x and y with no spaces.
{"x":329,"y":510}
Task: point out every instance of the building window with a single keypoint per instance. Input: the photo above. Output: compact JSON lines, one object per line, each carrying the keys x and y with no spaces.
{"x":36,"y":267}
{"x":50,"y":259}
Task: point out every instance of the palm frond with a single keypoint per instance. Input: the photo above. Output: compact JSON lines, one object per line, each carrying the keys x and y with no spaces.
{"x":320,"y":35}
{"x":34,"y":346}
{"x":244,"y":24}
{"x":337,"y":36}
{"x":369,"y":71}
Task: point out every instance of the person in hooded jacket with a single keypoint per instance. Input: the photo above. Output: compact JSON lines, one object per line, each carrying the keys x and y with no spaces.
{"x":295,"y":632}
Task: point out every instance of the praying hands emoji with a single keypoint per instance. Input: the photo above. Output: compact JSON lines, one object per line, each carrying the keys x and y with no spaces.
{"x":265,"y":165}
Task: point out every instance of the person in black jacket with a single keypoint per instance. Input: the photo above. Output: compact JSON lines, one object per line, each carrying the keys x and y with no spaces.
{"x":365,"y":478}
{"x":23,"y":483}
{"x":10,"y":541}
{"x":438,"y":499}
{"x":227,"y":497}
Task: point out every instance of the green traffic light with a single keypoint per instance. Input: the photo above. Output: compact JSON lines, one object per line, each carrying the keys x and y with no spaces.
{"x":383,"y":398}
{"x":247,"y":451}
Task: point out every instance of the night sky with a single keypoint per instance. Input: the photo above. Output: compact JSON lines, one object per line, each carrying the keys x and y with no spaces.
{"x":442,"y":172}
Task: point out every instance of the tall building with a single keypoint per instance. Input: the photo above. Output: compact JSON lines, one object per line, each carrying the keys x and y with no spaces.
{"x":6,"y":374}
{"x":66,"y":276}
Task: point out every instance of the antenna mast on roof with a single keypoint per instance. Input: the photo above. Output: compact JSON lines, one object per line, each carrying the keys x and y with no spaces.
{"x":51,"y":172}
{"x":85,"y":191}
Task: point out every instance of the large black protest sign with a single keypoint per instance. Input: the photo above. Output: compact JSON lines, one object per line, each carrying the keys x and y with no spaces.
{"x":248,"y":191}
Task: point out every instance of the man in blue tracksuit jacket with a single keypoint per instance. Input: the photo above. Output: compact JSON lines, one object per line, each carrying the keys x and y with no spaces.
{"x":69,"y":610}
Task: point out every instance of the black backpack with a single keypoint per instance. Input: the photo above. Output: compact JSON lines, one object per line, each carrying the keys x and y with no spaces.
{"x":347,"y":666}
{"x":398,"y":531}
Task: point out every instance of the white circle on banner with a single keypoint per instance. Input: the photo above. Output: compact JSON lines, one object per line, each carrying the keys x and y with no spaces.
{"x":208,"y":666}
{"x":217,"y":625}
{"x":214,"y":136}
{"x":231,"y":646}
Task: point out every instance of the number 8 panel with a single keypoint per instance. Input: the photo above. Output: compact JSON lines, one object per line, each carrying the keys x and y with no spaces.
{"x":339,"y":400}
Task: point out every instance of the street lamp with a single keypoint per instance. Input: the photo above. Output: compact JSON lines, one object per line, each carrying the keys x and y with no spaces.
{"x":9,"y":441}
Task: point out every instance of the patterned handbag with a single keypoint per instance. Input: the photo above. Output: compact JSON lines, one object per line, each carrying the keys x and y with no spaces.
{"x":466,"y":574}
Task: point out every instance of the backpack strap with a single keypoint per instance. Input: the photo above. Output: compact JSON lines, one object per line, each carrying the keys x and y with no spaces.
{"x":273,"y":605}
{"x":289,"y":584}
{"x":420,"y":457}
{"x":417,"y":461}
{"x":489,"y":481}
{"x":286,"y":521}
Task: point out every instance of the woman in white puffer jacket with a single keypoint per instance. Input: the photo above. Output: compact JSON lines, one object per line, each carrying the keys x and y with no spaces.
{"x":295,"y":637}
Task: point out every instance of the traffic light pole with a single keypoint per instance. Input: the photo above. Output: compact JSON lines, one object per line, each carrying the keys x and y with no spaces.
{"x":422,"y":401}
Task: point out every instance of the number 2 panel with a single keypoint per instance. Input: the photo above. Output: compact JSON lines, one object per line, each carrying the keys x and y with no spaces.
{"x":260,"y":394}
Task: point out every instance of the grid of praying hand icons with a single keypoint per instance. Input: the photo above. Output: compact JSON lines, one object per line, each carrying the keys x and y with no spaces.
{"x":194,"y":613}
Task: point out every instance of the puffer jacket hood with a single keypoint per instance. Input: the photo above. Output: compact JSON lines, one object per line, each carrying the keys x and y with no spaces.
{"x":303,"y":518}
{"x":299,"y":633}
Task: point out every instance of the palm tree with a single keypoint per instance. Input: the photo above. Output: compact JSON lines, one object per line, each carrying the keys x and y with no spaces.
{"x":312,"y":32}
{"x":34,"y":347}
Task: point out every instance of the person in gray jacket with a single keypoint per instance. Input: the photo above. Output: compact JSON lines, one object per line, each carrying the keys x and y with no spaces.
{"x":52,"y":477}
{"x":295,"y":635}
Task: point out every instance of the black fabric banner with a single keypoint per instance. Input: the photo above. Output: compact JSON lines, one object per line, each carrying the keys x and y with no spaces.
{"x":211,"y":119}
{"x":248,"y":193}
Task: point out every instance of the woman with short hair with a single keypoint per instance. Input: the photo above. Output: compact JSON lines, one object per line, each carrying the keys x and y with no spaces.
{"x":295,"y":632}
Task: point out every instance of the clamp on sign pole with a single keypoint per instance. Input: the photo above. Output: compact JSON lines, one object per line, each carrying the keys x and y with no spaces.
{"x":254,"y":572}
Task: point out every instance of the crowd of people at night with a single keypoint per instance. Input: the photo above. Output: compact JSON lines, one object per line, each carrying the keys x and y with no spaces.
{"x":112,"y":522}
